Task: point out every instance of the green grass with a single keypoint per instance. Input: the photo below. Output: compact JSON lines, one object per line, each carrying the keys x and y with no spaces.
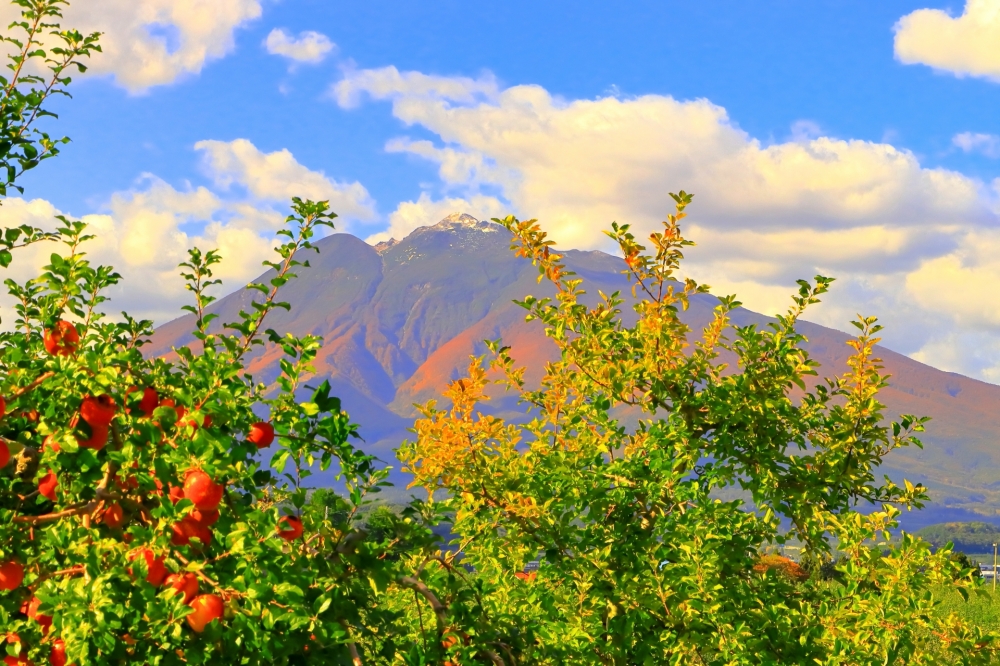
{"x":982,"y":609}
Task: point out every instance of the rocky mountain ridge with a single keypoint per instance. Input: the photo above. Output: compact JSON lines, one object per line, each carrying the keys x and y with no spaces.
{"x":400,"y":320}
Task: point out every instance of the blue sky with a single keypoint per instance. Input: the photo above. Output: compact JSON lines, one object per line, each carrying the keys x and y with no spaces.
{"x":855,"y":139}
{"x":769,"y":64}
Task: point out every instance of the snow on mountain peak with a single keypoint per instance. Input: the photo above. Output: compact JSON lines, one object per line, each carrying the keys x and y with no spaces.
{"x":458,"y":220}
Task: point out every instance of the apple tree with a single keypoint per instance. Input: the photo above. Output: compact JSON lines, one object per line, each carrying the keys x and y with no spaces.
{"x":655,"y":468}
{"x":151,"y":508}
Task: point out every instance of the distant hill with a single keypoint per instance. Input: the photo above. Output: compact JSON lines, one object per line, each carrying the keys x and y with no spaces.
{"x":969,"y":537}
{"x":400,"y":320}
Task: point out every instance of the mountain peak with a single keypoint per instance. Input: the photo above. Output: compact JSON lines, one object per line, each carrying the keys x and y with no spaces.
{"x":457,"y":220}
{"x":384,"y":246}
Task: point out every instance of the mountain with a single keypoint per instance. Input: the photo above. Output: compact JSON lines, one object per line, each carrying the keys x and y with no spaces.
{"x":400,"y":320}
{"x":969,"y":537}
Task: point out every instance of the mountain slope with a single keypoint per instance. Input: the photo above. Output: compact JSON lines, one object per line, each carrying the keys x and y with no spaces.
{"x":401,"y":320}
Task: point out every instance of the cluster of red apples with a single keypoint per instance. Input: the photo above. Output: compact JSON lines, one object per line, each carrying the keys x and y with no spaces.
{"x":92,"y":426}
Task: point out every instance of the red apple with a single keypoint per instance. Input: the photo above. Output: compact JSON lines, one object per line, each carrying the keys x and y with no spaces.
{"x":292,"y":529}
{"x":3,"y":407}
{"x":4,"y":454}
{"x":186,"y":529}
{"x":156,"y":570}
{"x":180,"y":533}
{"x":47,"y":486}
{"x":11,"y":576}
{"x":57,"y":655}
{"x":98,"y":412}
{"x":62,"y":339}
{"x":150,"y":399}
{"x":181,"y":410}
{"x":16,"y":661}
{"x":49,"y":444}
{"x":185,"y":583}
{"x":130,"y":482}
{"x":207,"y":607}
{"x":202,"y":491}
{"x":261,"y":435}
{"x":204,"y":518}
{"x":32,"y":612}
{"x":113,"y":516}
{"x":98,"y":438}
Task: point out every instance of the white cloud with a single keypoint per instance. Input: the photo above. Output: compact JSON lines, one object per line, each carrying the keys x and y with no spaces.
{"x":583,"y":163}
{"x":145,"y":232}
{"x":456,"y":167}
{"x":965,"y":45}
{"x":154,"y":42}
{"x":963,"y":282}
{"x":806,"y":130}
{"x":405,"y":86}
{"x":764,"y":214}
{"x":309,"y":46}
{"x":986,"y":144}
{"x":278,"y":176}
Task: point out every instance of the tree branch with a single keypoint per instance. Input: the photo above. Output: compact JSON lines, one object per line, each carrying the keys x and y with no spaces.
{"x":33,"y":385}
{"x":87,"y":508}
{"x":440,"y":611}
{"x":351,"y":645}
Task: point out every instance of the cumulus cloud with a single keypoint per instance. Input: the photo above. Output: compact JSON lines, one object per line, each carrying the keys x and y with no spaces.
{"x":964,"y":45}
{"x":154,"y":42}
{"x":278,"y":176}
{"x":765,"y":214}
{"x":309,"y":47}
{"x":145,"y":232}
{"x":582,"y":163}
{"x":963,"y":281}
{"x":986,"y":144}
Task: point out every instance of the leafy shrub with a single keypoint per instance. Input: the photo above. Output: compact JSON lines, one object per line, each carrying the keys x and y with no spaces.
{"x":640,"y":562}
{"x":967,"y":566}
